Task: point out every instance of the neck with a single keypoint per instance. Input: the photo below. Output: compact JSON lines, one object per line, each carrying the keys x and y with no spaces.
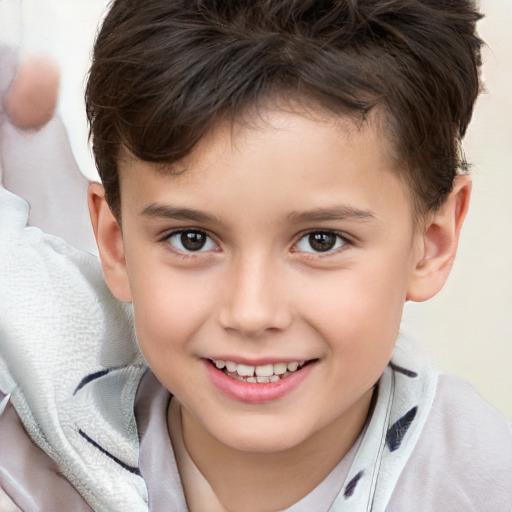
{"x":255,"y":481}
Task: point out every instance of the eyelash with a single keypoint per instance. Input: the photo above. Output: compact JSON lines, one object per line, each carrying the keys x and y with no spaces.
{"x":187,"y":252}
{"x":341,"y":239}
{"x":341,"y":242}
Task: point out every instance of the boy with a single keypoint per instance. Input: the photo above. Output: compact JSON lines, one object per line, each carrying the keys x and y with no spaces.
{"x":279,"y":177}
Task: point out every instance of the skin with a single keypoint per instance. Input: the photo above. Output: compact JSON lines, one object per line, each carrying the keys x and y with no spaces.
{"x":34,"y":93}
{"x":259,"y":290}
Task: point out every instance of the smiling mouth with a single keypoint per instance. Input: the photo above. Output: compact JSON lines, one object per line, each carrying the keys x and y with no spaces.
{"x":259,"y":374}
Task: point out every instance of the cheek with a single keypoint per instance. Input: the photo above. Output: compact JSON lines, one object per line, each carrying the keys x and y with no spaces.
{"x":169,"y":308}
{"x":359,"y":314}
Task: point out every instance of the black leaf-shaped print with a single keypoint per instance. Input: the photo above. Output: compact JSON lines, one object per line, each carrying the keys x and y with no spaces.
{"x":351,"y":486}
{"x":397,"y":431}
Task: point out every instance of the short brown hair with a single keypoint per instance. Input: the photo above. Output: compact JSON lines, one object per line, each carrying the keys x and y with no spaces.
{"x":165,"y":70}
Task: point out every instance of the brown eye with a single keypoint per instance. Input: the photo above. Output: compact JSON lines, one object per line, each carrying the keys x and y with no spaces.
{"x":191,"y":240}
{"x":320,"y":241}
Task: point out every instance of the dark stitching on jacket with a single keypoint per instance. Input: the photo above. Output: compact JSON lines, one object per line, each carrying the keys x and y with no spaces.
{"x":403,"y":371}
{"x":131,"y":469}
{"x":90,"y":378}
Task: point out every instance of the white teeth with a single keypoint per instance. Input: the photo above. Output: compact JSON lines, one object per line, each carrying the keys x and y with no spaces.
{"x":231,"y":366}
{"x":263,"y":374}
{"x":244,"y":370}
{"x":280,"y":368}
{"x":265,"y":371}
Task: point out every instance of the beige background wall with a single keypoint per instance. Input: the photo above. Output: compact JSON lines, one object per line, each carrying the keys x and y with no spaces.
{"x":468,"y":327}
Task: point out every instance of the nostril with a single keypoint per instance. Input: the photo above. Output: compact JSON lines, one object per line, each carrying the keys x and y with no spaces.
{"x":253,"y":323}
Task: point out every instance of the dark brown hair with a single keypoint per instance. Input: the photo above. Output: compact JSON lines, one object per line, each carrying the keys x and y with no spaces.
{"x":165,"y":70}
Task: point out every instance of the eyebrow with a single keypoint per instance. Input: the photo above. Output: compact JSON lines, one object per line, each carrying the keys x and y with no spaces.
{"x":161,"y":211}
{"x":331,"y":213}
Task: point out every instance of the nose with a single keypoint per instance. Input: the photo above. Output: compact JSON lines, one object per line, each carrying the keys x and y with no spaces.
{"x":255,"y":299}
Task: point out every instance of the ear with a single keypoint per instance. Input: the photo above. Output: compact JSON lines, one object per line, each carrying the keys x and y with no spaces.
{"x":109,"y":239}
{"x":438,"y":243}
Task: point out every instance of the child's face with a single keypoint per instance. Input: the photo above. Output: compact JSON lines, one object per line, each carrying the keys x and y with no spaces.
{"x":287,"y":241}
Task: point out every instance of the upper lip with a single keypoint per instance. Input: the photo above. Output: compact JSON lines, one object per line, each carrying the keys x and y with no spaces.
{"x":260,"y":361}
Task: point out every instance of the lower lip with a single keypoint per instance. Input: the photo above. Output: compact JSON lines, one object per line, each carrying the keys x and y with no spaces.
{"x":256,"y":393}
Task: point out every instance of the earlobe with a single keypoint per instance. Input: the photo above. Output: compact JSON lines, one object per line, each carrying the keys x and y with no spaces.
{"x":439,"y":243}
{"x":110,"y":243}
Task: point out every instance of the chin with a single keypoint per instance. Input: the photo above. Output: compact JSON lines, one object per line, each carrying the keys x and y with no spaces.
{"x":269,"y":438}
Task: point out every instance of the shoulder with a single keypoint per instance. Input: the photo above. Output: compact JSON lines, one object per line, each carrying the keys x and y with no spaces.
{"x":463,"y":459}
{"x":464,"y":424}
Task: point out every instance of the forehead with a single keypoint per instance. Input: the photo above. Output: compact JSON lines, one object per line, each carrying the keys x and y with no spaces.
{"x":275,"y":160}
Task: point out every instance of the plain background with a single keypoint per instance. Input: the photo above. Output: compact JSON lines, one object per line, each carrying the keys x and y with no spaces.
{"x":467,"y":328}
